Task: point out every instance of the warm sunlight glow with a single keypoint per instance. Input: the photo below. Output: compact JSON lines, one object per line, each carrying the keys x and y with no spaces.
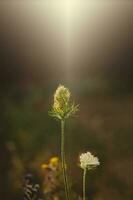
{"x":69,"y":34}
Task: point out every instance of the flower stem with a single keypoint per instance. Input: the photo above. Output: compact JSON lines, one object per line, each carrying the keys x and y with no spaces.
{"x":84,"y":186}
{"x":63,"y":160}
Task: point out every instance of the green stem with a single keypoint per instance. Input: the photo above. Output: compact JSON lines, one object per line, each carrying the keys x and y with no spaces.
{"x":63,"y":160}
{"x":84,"y":186}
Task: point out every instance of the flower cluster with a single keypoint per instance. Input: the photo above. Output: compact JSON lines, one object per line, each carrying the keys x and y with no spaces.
{"x":61,"y":97}
{"x":88,"y":161}
{"x":62,"y":107}
{"x":53,"y":164}
{"x":51,"y":172}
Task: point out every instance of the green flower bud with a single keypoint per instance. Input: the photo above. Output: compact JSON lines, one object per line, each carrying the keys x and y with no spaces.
{"x":62,"y":107}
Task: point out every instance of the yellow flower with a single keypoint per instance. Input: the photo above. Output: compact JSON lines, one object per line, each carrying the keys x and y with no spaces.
{"x":54,"y":161}
{"x":44,"y":166}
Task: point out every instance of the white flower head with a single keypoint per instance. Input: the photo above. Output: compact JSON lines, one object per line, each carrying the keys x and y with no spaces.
{"x":88,"y":161}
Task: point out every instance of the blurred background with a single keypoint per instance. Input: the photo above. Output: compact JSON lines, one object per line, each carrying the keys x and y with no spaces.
{"x":88,"y":47}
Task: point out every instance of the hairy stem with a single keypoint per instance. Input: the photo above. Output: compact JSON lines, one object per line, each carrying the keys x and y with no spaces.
{"x":63,"y":160}
{"x":84,"y":186}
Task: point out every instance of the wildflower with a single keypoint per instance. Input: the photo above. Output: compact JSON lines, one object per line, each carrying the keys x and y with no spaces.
{"x":62,"y":107}
{"x":88,"y":161}
{"x":54,"y":161}
{"x":44,"y":166}
{"x":61,"y":97}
